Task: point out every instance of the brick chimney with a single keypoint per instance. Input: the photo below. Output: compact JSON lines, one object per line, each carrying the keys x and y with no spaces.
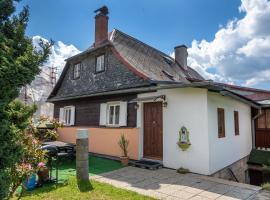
{"x":181,"y":54}
{"x":101,"y":25}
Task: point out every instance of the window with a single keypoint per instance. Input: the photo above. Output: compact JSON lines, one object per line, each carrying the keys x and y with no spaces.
{"x":113,"y":115}
{"x":67,"y":115}
{"x":221,"y":122}
{"x":263,"y":122}
{"x":100,"y":67}
{"x":236,"y":123}
{"x":76,"y":71}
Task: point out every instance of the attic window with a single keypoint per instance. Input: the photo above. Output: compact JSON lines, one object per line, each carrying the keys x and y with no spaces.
{"x":76,"y":71}
{"x":168,"y":60}
{"x":170,"y":76}
{"x":100,"y":66}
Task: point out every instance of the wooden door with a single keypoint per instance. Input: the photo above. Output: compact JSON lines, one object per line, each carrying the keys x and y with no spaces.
{"x":153,"y":137}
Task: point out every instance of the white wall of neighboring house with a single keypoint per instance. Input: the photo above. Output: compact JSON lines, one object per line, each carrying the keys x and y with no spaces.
{"x":225,"y":151}
{"x":186,"y":107}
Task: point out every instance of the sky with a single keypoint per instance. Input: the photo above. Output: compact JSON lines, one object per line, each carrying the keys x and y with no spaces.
{"x":228,"y":40}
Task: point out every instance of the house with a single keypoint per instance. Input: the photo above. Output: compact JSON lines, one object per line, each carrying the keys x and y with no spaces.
{"x":121,"y":85}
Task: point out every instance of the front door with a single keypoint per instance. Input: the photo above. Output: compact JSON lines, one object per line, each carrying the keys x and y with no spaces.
{"x":153,"y":139}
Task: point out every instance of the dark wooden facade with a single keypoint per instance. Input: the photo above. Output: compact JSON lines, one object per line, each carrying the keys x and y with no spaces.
{"x":262,"y":130}
{"x":87,"y":110}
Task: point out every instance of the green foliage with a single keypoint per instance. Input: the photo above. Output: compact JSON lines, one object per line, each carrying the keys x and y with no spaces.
{"x":19,"y":63}
{"x":266,"y":186}
{"x":30,"y":152}
{"x":182,"y":170}
{"x":123,"y":144}
{"x":46,"y":129}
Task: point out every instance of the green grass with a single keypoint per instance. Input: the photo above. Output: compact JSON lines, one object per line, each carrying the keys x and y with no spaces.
{"x":72,"y":190}
{"x":97,"y":165}
{"x":68,"y":188}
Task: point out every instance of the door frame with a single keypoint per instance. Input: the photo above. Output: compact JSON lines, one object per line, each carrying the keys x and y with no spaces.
{"x":159,"y":159}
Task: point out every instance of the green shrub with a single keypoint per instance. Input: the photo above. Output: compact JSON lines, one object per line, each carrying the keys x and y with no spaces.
{"x":182,"y":170}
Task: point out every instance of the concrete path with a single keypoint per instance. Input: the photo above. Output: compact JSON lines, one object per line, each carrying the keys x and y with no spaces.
{"x":167,"y":184}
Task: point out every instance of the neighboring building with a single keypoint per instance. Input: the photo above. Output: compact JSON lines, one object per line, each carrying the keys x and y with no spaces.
{"x":121,"y":85}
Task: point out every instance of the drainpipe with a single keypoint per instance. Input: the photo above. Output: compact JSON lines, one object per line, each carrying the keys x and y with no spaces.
{"x":253,"y":126}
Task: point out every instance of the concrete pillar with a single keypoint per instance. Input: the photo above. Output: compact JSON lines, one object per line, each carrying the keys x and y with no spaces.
{"x":82,"y":166}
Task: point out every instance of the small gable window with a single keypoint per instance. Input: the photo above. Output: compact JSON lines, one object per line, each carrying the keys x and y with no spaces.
{"x":76,"y":71}
{"x":100,"y":66}
{"x":221,"y":122}
{"x":236,"y":123}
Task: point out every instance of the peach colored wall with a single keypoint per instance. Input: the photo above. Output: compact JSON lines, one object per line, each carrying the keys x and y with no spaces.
{"x":105,"y":140}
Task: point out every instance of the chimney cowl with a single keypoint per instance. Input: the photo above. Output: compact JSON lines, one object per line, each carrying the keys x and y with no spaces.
{"x":181,"y":54}
{"x":101,"y":25}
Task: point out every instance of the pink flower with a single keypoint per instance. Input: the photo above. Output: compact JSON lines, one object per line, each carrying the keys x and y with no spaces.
{"x":41,"y":164}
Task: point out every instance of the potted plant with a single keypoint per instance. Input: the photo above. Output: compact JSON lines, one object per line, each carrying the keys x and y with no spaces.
{"x":123,"y":144}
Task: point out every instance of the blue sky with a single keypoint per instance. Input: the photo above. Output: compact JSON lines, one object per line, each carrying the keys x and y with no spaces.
{"x":163,"y":24}
{"x":222,"y":35}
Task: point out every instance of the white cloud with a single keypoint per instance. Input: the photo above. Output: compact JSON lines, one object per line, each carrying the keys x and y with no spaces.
{"x":240,"y":51}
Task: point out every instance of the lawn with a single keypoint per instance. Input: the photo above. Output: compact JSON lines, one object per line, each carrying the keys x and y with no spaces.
{"x":68,"y":188}
{"x":85,"y":190}
{"x":97,"y":165}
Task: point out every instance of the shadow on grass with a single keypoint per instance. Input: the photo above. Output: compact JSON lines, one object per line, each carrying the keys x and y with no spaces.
{"x":46,"y":188}
{"x":84,"y":185}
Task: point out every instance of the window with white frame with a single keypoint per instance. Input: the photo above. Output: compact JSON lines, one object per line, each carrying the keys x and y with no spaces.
{"x":76,"y":71}
{"x":100,"y":63}
{"x":113,"y":114}
{"x":67,"y":115}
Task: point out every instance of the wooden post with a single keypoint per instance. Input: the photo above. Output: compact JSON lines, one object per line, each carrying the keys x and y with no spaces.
{"x":82,"y":166}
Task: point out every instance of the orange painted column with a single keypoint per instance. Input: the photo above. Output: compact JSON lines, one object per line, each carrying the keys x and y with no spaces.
{"x":105,"y":140}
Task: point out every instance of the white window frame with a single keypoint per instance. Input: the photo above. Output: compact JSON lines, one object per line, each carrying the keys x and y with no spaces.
{"x":76,"y":71}
{"x":67,"y":119}
{"x":114,"y":114}
{"x":100,"y":63}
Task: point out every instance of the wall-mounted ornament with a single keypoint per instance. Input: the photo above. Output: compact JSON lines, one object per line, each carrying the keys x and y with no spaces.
{"x":184,"y":142}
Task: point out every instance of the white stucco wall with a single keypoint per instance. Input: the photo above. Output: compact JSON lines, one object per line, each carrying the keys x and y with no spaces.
{"x":186,"y":107}
{"x":225,"y":151}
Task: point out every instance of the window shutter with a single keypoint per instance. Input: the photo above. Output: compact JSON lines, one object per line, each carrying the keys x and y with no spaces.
{"x":72,"y":115}
{"x":102,"y":116}
{"x":123,"y":114}
{"x":61,"y":115}
{"x":221,"y":122}
{"x":236,"y":123}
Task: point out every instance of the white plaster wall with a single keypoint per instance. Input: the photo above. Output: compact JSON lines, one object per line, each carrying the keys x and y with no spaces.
{"x":225,"y":151}
{"x":186,"y":107}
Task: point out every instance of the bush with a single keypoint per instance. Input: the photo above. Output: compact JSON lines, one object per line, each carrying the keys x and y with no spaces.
{"x":182,"y":170}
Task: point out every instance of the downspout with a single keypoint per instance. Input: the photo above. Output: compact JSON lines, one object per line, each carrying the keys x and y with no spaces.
{"x":253,"y":126}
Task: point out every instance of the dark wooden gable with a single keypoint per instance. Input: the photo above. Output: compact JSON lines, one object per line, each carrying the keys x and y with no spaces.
{"x":116,"y":76}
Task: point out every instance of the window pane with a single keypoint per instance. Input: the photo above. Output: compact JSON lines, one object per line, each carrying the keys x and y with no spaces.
{"x":117,"y":111}
{"x":69,"y":115}
{"x":111,"y":114}
{"x":261,"y":120}
{"x":100,"y":63}
{"x":236,"y":123}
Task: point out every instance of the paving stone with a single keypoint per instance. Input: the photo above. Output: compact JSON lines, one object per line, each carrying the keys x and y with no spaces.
{"x":209,"y":195}
{"x":182,"y":194}
{"x":198,"y":197}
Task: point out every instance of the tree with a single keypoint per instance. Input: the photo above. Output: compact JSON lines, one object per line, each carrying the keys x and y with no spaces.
{"x":19,"y":63}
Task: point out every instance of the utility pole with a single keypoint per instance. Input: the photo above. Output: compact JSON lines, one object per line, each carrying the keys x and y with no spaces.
{"x":25,"y":94}
{"x":53,"y":71}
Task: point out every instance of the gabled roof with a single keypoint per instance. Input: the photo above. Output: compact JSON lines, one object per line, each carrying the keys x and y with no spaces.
{"x":154,"y":64}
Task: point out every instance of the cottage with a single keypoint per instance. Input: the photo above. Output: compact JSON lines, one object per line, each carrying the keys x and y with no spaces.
{"x":168,"y":111}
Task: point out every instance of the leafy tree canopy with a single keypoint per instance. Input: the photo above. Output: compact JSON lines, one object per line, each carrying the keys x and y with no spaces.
{"x":19,"y":63}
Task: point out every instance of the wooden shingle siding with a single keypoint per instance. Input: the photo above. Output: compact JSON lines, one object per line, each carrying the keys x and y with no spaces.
{"x":236,"y":122}
{"x":87,"y":110}
{"x":221,"y":122}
